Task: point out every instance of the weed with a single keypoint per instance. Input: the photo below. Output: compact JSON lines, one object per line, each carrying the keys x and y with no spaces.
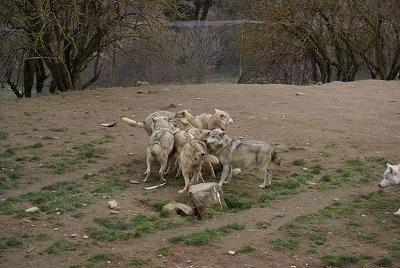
{"x":7,"y":152}
{"x":159,"y":204}
{"x":317,"y":235}
{"x":111,"y":185}
{"x":124,"y":228}
{"x":61,"y":245}
{"x":64,"y":196}
{"x":298,"y":162}
{"x":236,"y":204}
{"x":282,"y":189}
{"x":98,"y":257}
{"x":10,"y":242}
{"x":284,"y":244}
{"x":33,"y":158}
{"x":3,"y":135}
{"x":34,"y":146}
{"x":367,"y":236}
{"x":385,"y":261}
{"x":75,"y":158}
{"x":246,"y":249}
{"x":339,"y":260}
{"x":163,"y":251}
{"x":207,"y":236}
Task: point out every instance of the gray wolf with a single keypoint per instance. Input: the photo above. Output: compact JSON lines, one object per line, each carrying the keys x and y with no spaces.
{"x":220,"y":119}
{"x":191,"y":159}
{"x":242,"y":154}
{"x":161,"y":144}
{"x":147,"y":123}
{"x":391,"y":176}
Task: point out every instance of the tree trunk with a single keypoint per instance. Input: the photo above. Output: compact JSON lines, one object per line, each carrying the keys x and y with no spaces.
{"x":29,"y":72}
{"x":40,"y":75}
{"x":206,"y":8}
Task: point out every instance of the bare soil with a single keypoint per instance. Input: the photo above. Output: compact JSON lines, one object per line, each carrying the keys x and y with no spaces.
{"x":360,"y":118}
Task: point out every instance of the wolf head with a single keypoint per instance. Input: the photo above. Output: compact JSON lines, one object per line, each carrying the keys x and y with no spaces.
{"x":184,"y":114}
{"x":215,"y":137}
{"x":391,"y":176}
{"x":220,"y":119}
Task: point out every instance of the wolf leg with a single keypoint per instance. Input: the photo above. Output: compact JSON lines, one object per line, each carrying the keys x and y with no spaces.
{"x":224,"y":174}
{"x":397,"y":212}
{"x":187,"y":181}
{"x":267,"y":178}
{"x":147,"y":172}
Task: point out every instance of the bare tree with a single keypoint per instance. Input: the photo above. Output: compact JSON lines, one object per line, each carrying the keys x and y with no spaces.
{"x":336,"y":37}
{"x":67,"y":36}
{"x":201,"y":47}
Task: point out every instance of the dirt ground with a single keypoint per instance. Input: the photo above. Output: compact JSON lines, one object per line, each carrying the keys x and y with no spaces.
{"x":361,"y":118}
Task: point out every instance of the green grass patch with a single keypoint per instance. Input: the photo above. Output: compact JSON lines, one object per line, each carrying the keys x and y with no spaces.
{"x":64,"y":196}
{"x":339,"y":260}
{"x":163,"y":251}
{"x":284,"y":188}
{"x":353,"y":172}
{"x":298,"y":162}
{"x":3,"y":135}
{"x":246,"y":249}
{"x":207,"y":236}
{"x":62,"y":245}
{"x":236,"y":204}
{"x":10,"y":175}
{"x":281,"y":244}
{"x":9,"y":152}
{"x":102,"y":257}
{"x":9,"y":242}
{"x":34,"y":146}
{"x":74,"y":158}
{"x":112,"y":228}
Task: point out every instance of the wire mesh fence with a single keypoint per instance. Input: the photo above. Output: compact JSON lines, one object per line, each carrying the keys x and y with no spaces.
{"x":203,"y":52}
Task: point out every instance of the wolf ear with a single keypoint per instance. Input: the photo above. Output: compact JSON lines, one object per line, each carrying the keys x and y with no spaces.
{"x":222,"y":133}
{"x":189,"y":111}
{"x":390,"y":167}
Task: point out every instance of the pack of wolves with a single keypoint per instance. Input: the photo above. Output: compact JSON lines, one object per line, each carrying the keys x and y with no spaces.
{"x":185,"y":143}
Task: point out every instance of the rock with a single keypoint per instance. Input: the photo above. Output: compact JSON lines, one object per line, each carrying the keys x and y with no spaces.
{"x":206,"y":196}
{"x":236,"y":171}
{"x":113,"y":204}
{"x":179,"y":208}
{"x":231,"y":252}
{"x":32,"y":209}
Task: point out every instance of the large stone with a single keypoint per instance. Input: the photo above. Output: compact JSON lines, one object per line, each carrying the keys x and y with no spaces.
{"x":207,"y":197}
{"x":180,"y":208}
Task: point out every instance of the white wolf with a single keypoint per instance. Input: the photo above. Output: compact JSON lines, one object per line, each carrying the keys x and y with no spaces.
{"x":391,"y":177}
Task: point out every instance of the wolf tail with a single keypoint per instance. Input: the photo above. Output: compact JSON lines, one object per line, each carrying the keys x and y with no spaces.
{"x":275,"y":158}
{"x":209,"y":158}
{"x":155,"y":148}
{"x":131,"y":122}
